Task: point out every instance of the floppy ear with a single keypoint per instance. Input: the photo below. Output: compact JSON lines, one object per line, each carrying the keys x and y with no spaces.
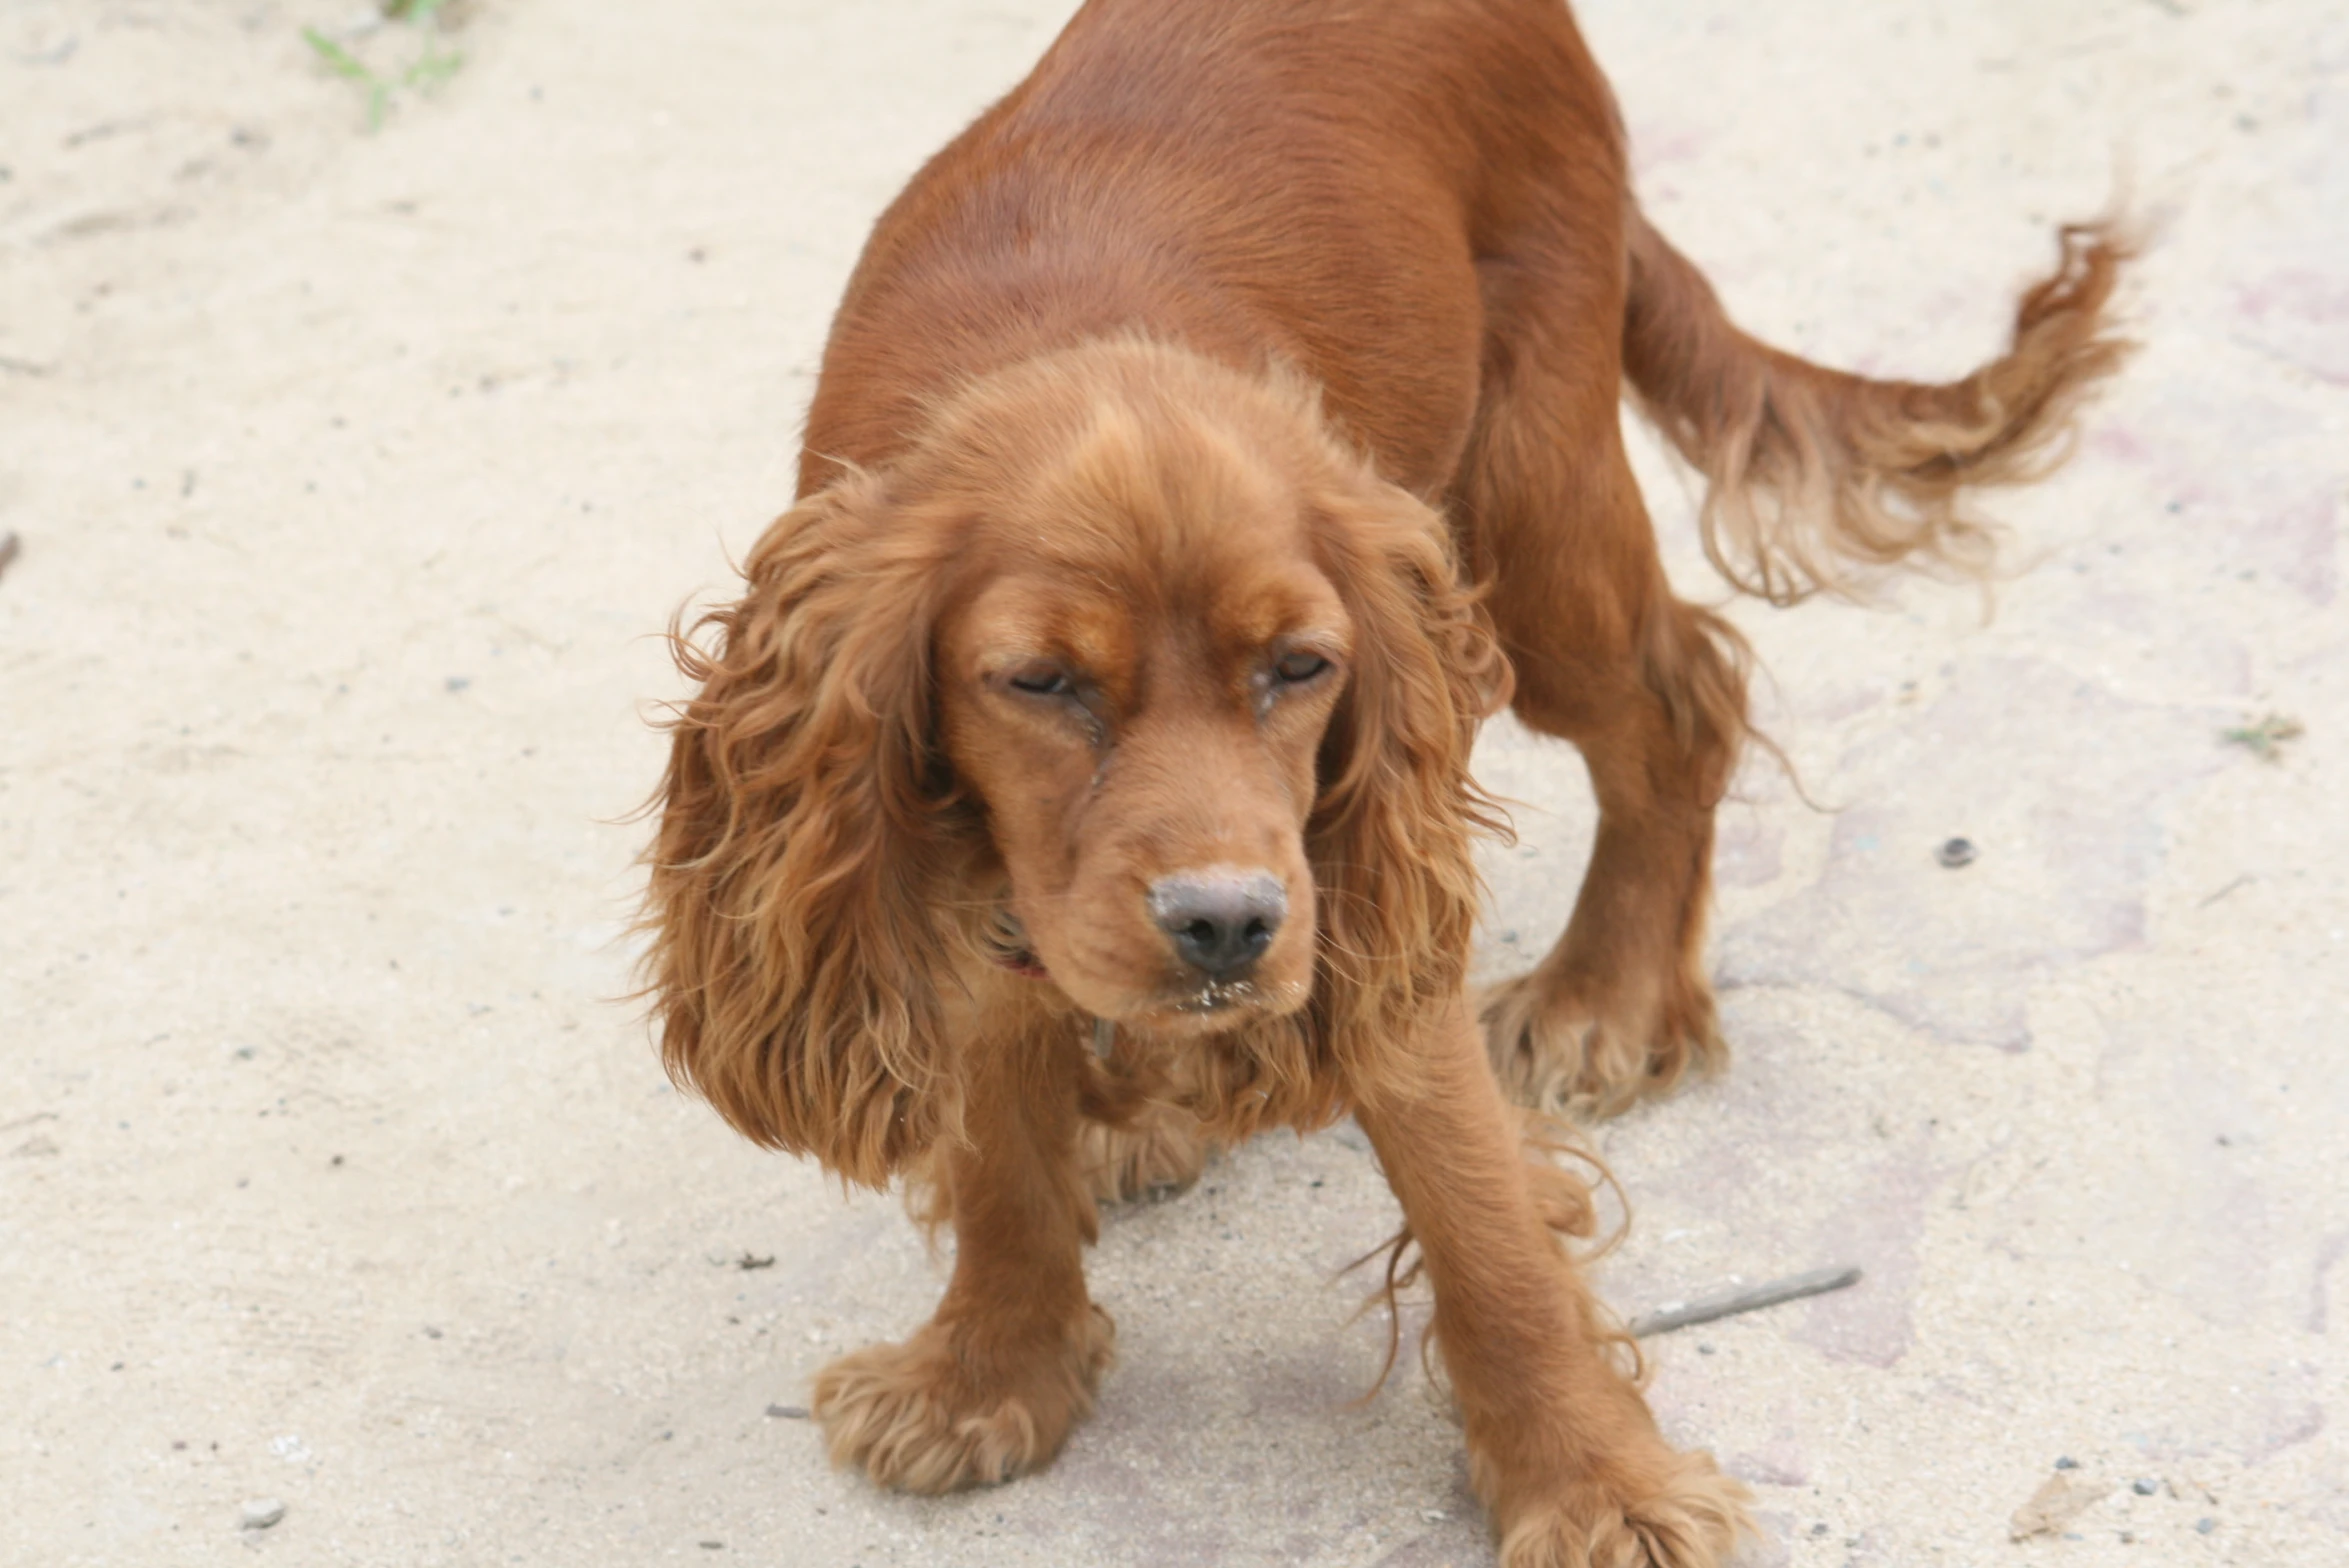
{"x":795,"y":955}
{"x":1391,"y":830}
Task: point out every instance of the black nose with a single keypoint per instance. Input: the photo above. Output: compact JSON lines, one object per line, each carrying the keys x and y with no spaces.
{"x":1219,"y":921}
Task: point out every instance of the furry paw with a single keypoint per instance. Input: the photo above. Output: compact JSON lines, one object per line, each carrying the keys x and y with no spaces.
{"x":1159,"y":1156}
{"x":930,"y":1415}
{"x":1558,"y":1045}
{"x":1676,"y":1511}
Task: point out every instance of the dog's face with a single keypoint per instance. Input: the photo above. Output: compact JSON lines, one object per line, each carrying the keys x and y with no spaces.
{"x":1130,"y":649}
{"x":1136,"y":686}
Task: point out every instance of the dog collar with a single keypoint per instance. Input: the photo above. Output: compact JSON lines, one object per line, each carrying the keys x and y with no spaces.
{"x":1023,"y":963}
{"x":1007,"y":944}
{"x":1010,"y":949}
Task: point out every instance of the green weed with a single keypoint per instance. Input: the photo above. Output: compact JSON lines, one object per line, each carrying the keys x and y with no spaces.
{"x":2265,"y":739}
{"x":426,"y":69}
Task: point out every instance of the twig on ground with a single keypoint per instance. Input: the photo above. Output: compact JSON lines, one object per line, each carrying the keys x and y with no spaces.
{"x":2224,"y":891}
{"x":1817,"y":1282}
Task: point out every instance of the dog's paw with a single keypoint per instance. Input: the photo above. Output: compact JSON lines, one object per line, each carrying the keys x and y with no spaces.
{"x":931,"y":1416}
{"x":1159,"y":1156}
{"x":1677,"y":1511}
{"x":1587,"y":1050}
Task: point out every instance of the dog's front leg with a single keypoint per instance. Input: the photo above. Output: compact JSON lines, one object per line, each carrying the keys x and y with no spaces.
{"x":989,"y":1388}
{"x":1561,"y":1446}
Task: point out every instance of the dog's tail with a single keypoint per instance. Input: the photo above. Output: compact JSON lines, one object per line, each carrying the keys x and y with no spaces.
{"x":1815,"y":472}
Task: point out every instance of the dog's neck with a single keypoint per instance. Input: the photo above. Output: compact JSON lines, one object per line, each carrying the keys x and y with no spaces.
{"x":1007,"y":944}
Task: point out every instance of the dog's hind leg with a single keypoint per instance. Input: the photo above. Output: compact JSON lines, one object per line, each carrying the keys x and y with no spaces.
{"x":1159,"y":1154}
{"x":1652,"y":690}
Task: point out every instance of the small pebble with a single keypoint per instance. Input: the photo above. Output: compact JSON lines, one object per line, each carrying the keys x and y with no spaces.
{"x":788,"y":1412}
{"x":1704,"y":1350}
{"x":1955,"y":853}
{"x":2144,"y":1488}
{"x":2205,"y":1526}
{"x":259,"y":1513}
{"x":2067,"y":1462}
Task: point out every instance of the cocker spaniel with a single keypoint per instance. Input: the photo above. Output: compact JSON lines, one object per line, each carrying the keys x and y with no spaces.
{"x":1210,"y":438}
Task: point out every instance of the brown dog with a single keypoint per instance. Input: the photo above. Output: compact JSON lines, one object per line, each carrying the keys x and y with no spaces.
{"x":1113,"y":680}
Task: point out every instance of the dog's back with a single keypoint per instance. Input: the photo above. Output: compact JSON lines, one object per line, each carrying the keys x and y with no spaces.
{"x":1368,"y":192}
{"x":1334,"y":183}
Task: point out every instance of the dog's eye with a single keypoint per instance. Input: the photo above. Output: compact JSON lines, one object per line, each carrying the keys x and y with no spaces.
{"x":1043,"y":683}
{"x":1295,"y":668}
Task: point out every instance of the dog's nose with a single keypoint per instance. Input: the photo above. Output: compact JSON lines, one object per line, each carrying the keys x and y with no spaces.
{"x":1219,"y":921}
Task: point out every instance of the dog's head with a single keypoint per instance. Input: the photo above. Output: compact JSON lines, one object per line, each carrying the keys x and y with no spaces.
{"x":1127,"y":669}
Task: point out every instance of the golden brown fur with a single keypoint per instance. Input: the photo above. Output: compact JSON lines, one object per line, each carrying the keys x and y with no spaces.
{"x":1120,"y":661}
{"x":1813,"y":472}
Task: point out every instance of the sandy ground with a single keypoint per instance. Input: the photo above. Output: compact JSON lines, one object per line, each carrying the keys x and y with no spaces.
{"x":353,"y":470}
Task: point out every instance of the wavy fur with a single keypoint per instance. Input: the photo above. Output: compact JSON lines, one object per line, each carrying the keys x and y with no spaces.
{"x":796,"y":947}
{"x":1814,"y":474}
{"x":1391,"y":836}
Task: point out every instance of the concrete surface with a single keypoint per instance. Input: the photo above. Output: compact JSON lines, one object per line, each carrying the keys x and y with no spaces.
{"x":353,"y":471}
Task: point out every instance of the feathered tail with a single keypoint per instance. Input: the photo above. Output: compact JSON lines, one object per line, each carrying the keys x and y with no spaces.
{"x":1813,"y":472}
